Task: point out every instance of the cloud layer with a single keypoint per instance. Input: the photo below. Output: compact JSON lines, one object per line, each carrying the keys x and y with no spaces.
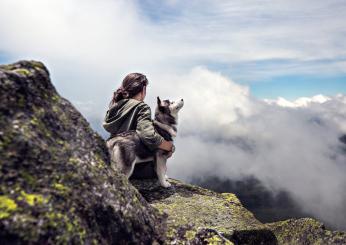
{"x":226,"y":132}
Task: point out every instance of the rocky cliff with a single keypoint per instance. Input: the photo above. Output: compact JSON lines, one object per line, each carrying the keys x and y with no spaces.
{"x":56,"y":186}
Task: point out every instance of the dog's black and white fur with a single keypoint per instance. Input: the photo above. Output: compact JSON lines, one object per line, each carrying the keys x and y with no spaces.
{"x":126,"y":149}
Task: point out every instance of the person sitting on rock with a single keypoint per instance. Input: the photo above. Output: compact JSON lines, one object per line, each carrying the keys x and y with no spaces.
{"x":128,"y":111}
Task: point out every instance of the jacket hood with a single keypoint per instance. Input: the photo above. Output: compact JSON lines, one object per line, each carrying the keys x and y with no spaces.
{"x":118,"y":113}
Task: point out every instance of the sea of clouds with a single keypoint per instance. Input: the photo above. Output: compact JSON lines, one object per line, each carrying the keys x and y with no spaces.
{"x":226,"y":132}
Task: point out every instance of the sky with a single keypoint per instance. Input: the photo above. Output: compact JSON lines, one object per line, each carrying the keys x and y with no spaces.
{"x":264,"y":82}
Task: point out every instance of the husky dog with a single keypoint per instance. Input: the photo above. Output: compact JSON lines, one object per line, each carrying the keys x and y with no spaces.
{"x":127,"y":149}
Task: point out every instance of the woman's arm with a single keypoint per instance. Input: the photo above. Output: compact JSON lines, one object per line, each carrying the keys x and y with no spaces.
{"x":146,"y":131}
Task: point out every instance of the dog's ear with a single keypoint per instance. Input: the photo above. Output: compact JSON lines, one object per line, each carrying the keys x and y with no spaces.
{"x":159,"y":105}
{"x":158,"y":100}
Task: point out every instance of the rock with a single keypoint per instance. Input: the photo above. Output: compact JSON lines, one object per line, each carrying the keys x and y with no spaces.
{"x":56,"y":185}
{"x":191,"y":208}
{"x":305,"y":231}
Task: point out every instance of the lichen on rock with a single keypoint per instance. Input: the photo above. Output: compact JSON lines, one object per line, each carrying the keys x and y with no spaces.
{"x":305,"y":231}
{"x":55,"y":183}
{"x":191,"y":208}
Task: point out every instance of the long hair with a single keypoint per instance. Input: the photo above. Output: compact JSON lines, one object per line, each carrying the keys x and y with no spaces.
{"x":132,"y":84}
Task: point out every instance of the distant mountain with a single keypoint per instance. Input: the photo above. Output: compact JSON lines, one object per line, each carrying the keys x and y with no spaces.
{"x":343,"y":139}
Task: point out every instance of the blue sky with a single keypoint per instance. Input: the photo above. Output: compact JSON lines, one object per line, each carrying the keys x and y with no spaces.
{"x":277,"y":48}
{"x":290,"y":85}
{"x":295,"y":86}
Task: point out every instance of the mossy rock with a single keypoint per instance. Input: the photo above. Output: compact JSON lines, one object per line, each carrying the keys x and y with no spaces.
{"x":191,"y":208}
{"x":222,"y":219}
{"x":56,"y":186}
{"x":305,"y":231}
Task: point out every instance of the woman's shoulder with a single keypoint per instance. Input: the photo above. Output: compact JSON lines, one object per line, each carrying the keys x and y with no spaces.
{"x":140,"y":104}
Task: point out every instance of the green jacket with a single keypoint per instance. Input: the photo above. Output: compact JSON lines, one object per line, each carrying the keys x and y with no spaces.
{"x":131,"y":114}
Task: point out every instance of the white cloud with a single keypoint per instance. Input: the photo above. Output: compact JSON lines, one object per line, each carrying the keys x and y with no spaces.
{"x":300,"y":102}
{"x":224,"y":131}
{"x":120,"y":35}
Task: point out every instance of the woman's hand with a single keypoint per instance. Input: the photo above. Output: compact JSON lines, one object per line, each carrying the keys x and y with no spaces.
{"x":166,"y":145}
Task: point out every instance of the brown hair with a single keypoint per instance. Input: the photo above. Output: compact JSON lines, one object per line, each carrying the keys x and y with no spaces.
{"x":132,"y":84}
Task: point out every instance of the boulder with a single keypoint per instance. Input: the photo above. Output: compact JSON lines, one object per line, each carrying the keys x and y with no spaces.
{"x":55,"y":182}
{"x":305,"y":231}
{"x":191,"y":209}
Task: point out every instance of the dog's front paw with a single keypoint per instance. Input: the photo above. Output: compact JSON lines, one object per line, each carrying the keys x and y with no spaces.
{"x":166,"y":176}
{"x":166,"y":184}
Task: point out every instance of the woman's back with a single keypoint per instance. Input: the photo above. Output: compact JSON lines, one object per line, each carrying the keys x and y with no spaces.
{"x":122,"y":116}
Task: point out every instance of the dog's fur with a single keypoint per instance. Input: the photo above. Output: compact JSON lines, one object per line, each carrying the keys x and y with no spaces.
{"x":127,"y":149}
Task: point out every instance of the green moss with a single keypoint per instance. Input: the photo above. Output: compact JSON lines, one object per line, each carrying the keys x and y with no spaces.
{"x":55,"y":98}
{"x":232,"y":198}
{"x":34,"y":121}
{"x":71,"y":225}
{"x":214,"y":240}
{"x":189,"y":235}
{"x":7,"y":205}
{"x":32,"y":199}
{"x":223,"y":216}
{"x":55,"y":108}
{"x":8,"y":67}
{"x":54,"y":216}
{"x":22,"y":71}
{"x":171,"y":232}
{"x":37,"y":64}
{"x":305,"y":231}
{"x":99,"y":161}
{"x":190,"y":208}
{"x":39,"y":111}
{"x":60,"y":187}
{"x":73,"y":160}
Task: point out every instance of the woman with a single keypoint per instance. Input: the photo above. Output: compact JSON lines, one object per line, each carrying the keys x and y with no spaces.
{"x":127,"y":111}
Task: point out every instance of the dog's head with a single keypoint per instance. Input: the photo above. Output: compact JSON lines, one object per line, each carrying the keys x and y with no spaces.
{"x":169,"y":107}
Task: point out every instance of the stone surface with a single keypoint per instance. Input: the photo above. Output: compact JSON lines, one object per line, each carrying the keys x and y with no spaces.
{"x":191,"y":208}
{"x":305,"y":231}
{"x":56,"y":186}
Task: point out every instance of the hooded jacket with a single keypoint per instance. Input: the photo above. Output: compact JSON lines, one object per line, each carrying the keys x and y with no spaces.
{"x":131,"y":114}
